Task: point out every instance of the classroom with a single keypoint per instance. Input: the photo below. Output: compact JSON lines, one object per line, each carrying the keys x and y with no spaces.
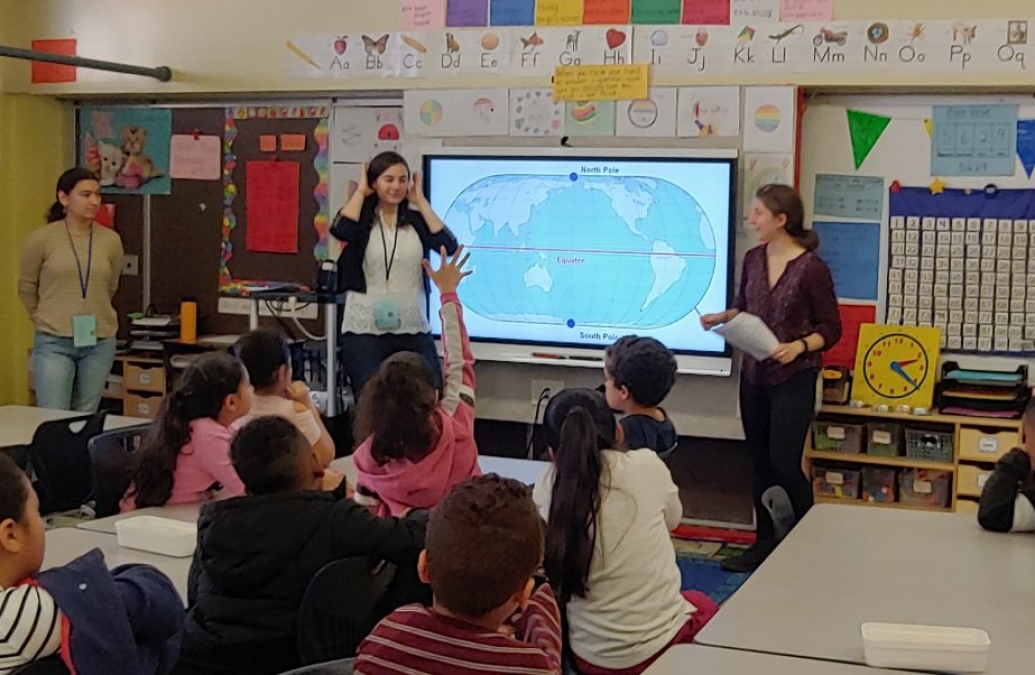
{"x":567,"y":336}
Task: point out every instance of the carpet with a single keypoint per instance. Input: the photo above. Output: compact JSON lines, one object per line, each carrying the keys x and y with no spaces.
{"x":699,"y":561}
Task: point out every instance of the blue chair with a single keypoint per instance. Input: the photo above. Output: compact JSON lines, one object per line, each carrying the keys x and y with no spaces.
{"x":114,"y":461}
{"x":340,"y":667}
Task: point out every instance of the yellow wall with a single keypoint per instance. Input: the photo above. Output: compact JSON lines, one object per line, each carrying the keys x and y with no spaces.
{"x":218,"y":46}
{"x":35,"y":144}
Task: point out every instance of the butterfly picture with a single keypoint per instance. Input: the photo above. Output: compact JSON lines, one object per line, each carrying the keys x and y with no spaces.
{"x":377,"y":46}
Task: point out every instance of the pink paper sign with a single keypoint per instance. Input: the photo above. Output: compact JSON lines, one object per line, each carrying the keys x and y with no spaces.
{"x":194,"y":158}
{"x":422,"y":14}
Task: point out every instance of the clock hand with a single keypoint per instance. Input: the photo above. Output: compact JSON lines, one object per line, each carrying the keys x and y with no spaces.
{"x":907,"y":363}
{"x":896,"y":367}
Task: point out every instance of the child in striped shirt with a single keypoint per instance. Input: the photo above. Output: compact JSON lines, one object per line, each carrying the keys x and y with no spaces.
{"x":490,"y":615}
{"x":88,"y":620}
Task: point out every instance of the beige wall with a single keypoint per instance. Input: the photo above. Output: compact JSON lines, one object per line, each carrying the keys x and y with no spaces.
{"x":218,"y":46}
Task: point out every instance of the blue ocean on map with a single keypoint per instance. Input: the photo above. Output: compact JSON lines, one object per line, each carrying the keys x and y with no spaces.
{"x":583,"y":250}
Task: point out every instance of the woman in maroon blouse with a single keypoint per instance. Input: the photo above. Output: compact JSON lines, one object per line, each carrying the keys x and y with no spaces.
{"x":786,"y":285}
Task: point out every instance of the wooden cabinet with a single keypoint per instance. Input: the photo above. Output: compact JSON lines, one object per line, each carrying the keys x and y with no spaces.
{"x":138,"y":383}
{"x":987,"y":445}
{"x":977,"y":443}
{"x":972,"y":480}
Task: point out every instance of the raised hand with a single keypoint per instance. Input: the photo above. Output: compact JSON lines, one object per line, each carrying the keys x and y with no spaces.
{"x":450,"y":271}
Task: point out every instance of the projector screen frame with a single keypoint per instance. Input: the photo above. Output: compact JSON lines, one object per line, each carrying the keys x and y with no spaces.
{"x":689,"y":362}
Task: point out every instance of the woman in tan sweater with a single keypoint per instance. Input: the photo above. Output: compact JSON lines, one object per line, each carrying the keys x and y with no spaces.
{"x":69,"y":274}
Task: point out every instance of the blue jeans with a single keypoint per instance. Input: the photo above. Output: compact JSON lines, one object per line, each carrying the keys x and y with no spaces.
{"x":362,"y":354}
{"x":68,"y":377}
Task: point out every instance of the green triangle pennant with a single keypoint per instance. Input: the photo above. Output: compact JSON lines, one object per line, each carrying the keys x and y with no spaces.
{"x":865,"y":130}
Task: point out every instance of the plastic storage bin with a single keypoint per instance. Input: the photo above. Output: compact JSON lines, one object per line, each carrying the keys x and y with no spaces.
{"x":942,"y":649}
{"x":158,"y":535}
{"x":883,"y":439}
{"x":838,"y":436}
{"x":879,"y":484}
{"x":936,"y":446}
{"x":924,"y":487}
{"x":841,"y":482}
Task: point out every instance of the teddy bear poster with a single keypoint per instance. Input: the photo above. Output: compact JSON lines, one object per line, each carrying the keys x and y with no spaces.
{"x":128,"y":148}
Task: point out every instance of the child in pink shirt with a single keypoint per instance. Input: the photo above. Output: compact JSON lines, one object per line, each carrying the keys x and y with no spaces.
{"x":186,"y":453}
{"x":420,"y":444}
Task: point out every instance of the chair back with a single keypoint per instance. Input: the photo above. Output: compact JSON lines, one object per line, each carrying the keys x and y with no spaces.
{"x":59,"y":461}
{"x":114,"y":461}
{"x":344,"y":602}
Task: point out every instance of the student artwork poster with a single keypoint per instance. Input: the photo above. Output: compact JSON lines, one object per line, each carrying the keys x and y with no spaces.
{"x":578,"y":251}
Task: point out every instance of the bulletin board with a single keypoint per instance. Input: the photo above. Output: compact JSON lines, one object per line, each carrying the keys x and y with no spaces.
{"x":196,"y":252}
{"x":950,"y":251}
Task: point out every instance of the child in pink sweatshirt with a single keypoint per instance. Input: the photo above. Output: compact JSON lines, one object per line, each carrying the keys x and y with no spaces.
{"x":418,"y":444}
{"x":185,"y":456}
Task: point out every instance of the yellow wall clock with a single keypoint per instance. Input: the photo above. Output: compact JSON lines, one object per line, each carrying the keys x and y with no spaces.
{"x":896,"y":365}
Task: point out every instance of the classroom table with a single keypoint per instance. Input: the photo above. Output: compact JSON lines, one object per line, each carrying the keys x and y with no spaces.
{"x":187,"y":513}
{"x":846,"y":565}
{"x":18,"y":423}
{"x":525,"y":470}
{"x":696,"y":659}
{"x":65,"y":544}
{"x":522,"y":469}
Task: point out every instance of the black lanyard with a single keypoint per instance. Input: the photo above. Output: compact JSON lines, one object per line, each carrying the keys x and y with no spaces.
{"x":84,"y":282}
{"x":384,"y":245}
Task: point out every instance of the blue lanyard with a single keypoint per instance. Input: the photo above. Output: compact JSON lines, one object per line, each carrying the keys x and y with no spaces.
{"x":84,"y":281}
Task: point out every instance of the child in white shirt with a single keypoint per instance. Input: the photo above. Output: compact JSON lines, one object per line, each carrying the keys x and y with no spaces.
{"x":609,"y":557}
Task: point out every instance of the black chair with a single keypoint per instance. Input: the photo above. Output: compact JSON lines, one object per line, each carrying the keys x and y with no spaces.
{"x":114,"y":460}
{"x":59,"y":461}
{"x":339,"y":667}
{"x":344,"y":602}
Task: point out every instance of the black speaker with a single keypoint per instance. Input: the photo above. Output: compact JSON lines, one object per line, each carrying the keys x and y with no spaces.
{"x":327,"y":277}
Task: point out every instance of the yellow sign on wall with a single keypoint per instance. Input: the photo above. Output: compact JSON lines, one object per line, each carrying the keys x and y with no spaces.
{"x":559,"y":12}
{"x":600,"y":83}
{"x":896,"y":365}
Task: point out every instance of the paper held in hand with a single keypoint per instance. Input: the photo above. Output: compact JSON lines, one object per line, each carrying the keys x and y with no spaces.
{"x":749,"y":334}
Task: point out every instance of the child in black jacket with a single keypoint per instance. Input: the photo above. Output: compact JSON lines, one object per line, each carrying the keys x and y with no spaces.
{"x":1008,"y":498}
{"x":257,"y":554}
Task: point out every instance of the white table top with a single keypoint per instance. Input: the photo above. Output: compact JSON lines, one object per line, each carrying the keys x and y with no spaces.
{"x":525,"y":470}
{"x":65,"y":544}
{"x":845,"y":565}
{"x":18,"y":423}
{"x":698,"y":660}
{"x":187,"y":513}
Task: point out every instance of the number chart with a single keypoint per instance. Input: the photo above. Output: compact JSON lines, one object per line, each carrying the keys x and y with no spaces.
{"x":974,"y":140}
{"x":963,"y":261}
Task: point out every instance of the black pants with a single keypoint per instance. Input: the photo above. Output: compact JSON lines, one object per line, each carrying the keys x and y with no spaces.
{"x":362,"y":354}
{"x":776,"y":423}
